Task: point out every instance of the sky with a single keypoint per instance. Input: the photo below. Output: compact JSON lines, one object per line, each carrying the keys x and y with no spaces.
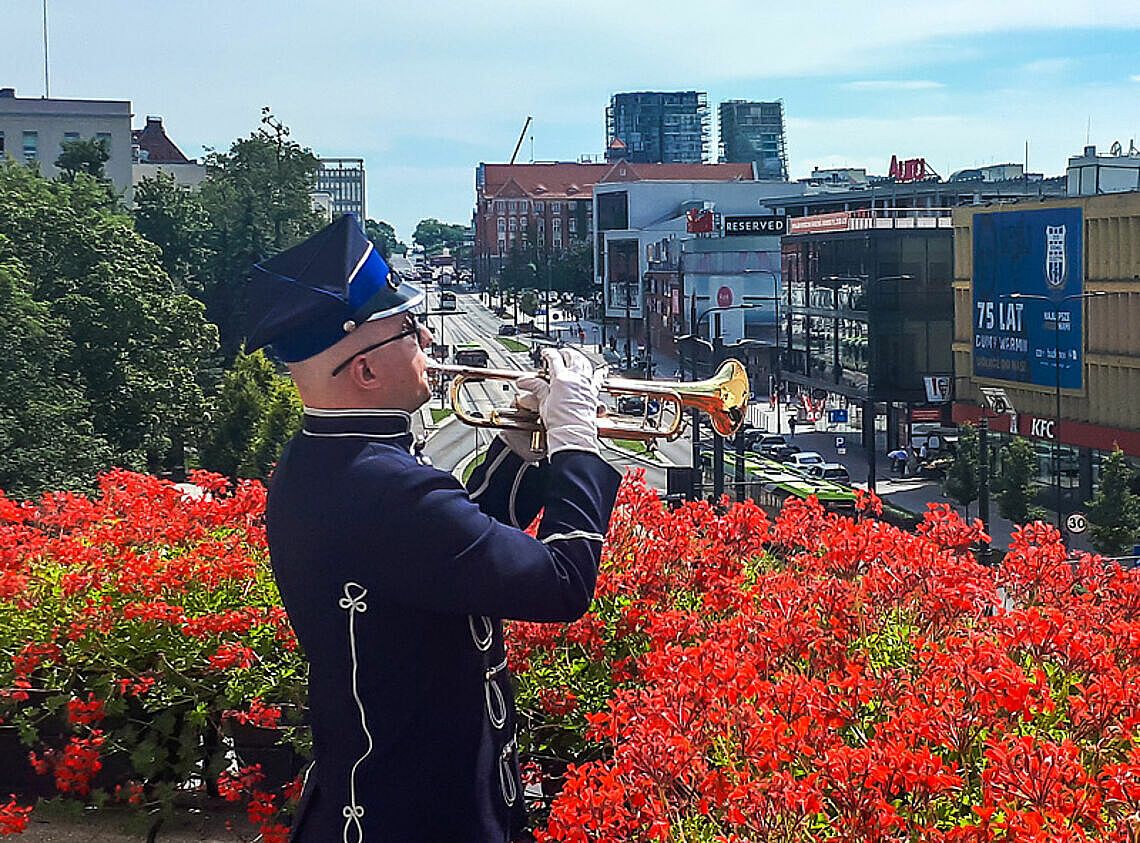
{"x":425,"y":91}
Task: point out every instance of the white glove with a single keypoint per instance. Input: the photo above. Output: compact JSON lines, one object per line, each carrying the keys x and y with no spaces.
{"x":570,"y":409}
{"x":530,"y":393}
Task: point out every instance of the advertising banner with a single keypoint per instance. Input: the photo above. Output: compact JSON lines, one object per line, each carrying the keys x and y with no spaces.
{"x":1029,"y":339}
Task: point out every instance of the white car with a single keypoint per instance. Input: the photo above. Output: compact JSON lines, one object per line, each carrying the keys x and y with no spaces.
{"x":805,"y":458}
{"x":829,"y":471}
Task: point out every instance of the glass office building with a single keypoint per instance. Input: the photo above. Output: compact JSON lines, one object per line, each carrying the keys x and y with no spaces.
{"x":869,"y":315}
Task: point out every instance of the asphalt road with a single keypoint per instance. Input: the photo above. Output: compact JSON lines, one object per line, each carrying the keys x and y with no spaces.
{"x":473,"y":322}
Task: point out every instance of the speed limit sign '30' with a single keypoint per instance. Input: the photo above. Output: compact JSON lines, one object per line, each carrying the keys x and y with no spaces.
{"x":1077,"y":523}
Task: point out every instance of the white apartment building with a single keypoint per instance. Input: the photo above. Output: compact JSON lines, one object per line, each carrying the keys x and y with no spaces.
{"x":32,"y":130}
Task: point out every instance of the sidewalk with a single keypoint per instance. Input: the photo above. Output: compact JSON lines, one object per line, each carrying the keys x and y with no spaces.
{"x":206,"y":820}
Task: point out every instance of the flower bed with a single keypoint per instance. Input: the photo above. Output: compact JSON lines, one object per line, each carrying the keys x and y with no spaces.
{"x":738,"y":679}
{"x":823,"y":678}
{"x":135,"y":622}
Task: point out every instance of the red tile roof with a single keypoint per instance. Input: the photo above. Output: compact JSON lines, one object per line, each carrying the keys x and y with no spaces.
{"x":154,"y":146}
{"x":562,"y":180}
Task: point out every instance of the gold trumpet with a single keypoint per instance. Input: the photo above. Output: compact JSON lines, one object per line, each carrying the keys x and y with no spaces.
{"x":723,"y":397}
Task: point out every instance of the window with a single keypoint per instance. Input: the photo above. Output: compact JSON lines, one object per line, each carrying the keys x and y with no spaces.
{"x":557,"y":227}
{"x":539,"y":207}
{"x":502,"y":245}
{"x":573,"y":224}
{"x":613,"y":210}
{"x":31,"y":146}
{"x":70,"y":136}
{"x":502,"y":224}
{"x":1,"y":146}
{"x":556,"y":207}
{"x":105,"y":137}
{"x":514,"y":223}
{"x":572,"y":204}
{"x":557,"y":240}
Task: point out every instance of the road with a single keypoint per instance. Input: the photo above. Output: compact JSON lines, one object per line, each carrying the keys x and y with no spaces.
{"x":473,"y":322}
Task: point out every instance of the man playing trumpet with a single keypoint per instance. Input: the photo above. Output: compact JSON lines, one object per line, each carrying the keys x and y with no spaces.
{"x":395,"y":577}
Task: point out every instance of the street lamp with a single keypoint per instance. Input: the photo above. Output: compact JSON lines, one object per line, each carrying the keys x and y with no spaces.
{"x":1055,"y":300}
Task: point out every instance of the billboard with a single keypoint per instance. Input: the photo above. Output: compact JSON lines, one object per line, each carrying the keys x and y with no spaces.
{"x":1038,"y":254}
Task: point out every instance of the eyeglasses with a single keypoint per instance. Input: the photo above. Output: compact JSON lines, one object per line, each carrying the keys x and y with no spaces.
{"x":412,"y":328}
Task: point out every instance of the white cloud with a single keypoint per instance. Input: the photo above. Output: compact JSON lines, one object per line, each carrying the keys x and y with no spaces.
{"x":892,"y":85}
{"x":1135,"y":77}
{"x":1047,"y":66}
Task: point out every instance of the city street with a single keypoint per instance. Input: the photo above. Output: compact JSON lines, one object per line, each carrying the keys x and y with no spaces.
{"x":452,"y":443}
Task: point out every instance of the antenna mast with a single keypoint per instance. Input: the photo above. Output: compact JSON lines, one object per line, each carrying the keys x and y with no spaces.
{"x":47,"y":84}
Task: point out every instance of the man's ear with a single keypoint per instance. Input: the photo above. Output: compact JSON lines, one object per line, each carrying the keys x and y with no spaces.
{"x":363,"y":374}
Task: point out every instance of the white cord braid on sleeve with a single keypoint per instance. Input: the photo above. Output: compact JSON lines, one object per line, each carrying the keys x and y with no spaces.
{"x":576,"y":534}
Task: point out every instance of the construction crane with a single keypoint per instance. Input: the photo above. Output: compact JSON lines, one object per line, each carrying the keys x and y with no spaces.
{"x":522,"y":135}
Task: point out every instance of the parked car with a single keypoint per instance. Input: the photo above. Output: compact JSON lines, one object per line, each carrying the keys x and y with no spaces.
{"x":508,"y":330}
{"x":804,"y":458}
{"x":778,"y":452}
{"x":829,"y":471}
{"x":611,"y":357}
{"x":755,"y":439}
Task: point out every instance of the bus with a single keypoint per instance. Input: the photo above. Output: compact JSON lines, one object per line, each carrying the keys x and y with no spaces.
{"x":447,"y":300}
{"x":771,"y":484}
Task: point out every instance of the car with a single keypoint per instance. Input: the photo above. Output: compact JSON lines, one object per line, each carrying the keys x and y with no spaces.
{"x":779,"y":452}
{"x":829,"y":471}
{"x":634,"y":405}
{"x":471,"y":354}
{"x":756,"y":439}
{"x":804,"y":458}
{"x":508,"y":330}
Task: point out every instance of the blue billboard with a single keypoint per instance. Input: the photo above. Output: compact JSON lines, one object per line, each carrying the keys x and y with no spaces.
{"x":1032,"y":338}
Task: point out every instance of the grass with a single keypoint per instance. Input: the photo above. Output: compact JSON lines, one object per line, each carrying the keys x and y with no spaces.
{"x":635,"y":446}
{"x":438,"y":415}
{"x":469,"y":469}
{"x":512,"y":345}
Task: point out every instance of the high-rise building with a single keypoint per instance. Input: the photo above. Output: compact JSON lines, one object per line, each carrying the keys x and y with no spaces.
{"x":658,"y":127}
{"x":343,"y":180}
{"x":754,"y":131}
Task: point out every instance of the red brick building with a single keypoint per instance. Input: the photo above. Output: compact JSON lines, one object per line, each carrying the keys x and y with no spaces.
{"x":550,"y":205}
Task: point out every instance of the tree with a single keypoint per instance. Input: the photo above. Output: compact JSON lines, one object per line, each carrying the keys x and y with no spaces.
{"x":47,"y":439}
{"x":171,"y":217}
{"x":255,"y":412}
{"x":572,"y":269}
{"x":528,"y":302}
{"x":134,"y":343}
{"x":520,"y":272}
{"x":1017,"y":487}
{"x":1115,"y":509}
{"x":383,"y":237}
{"x":82,"y":156}
{"x":961,"y":482}
{"x":434,"y":235}
{"x":258,"y":197}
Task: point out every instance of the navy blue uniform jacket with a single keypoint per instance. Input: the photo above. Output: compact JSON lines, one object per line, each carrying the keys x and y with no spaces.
{"x":395,"y":579}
